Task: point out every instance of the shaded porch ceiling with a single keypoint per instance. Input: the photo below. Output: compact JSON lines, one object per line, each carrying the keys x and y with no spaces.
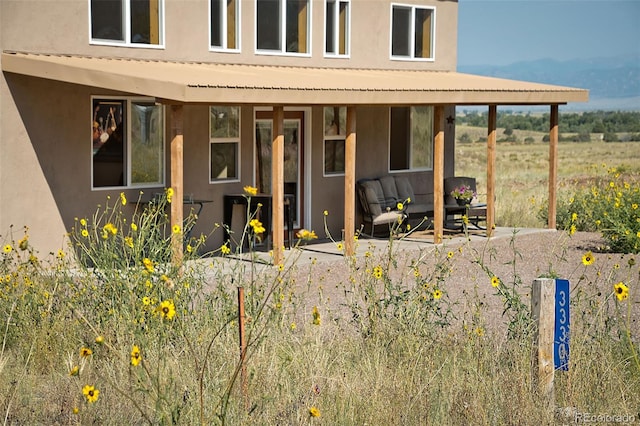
{"x":214,"y":83}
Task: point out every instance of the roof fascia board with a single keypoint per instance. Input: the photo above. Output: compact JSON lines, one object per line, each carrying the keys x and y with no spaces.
{"x":262,"y":85}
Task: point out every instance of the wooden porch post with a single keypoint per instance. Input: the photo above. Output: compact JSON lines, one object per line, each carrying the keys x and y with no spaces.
{"x":491,"y":169}
{"x":277,"y":184}
{"x":177,"y":173}
{"x":350,"y":182}
{"x":438,"y":174}
{"x":553,"y":165}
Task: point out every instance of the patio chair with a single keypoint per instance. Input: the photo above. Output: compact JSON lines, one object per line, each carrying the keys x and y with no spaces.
{"x":475,"y":212}
{"x":377,"y":208}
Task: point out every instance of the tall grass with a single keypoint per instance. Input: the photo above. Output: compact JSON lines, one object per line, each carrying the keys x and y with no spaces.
{"x":124,"y":337}
{"x":522,"y":173}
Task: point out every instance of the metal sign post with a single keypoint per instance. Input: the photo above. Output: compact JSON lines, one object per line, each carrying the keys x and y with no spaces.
{"x":561,"y":331}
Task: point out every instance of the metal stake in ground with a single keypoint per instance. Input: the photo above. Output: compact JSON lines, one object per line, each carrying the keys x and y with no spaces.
{"x":243,"y":347}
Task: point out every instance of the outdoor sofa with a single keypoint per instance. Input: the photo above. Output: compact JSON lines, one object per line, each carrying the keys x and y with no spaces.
{"x":379,"y":200}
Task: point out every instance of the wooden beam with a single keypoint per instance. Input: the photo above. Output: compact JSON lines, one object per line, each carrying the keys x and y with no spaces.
{"x":491,"y":169}
{"x":177,"y":177}
{"x":350,"y":182}
{"x":553,"y":165}
{"x":277,"y":184}
{"x":543,"y":303}
{"x":438,"y":174}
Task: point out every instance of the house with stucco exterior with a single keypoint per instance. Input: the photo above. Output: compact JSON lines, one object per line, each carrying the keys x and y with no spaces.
{"x":299,"y":97}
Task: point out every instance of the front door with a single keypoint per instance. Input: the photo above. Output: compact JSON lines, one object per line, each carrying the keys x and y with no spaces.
{"x":293,"y":155}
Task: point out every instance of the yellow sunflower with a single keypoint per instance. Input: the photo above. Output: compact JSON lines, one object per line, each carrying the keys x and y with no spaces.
{"x":495,"y":281}
{"x":621,"y":291}
{"x":377,"y":272}
{"x":316,"y":316}
{"x":148,"y":264}
{"x":91,"y":393}
{"x":588,"y":259}
{"x":136,"y":356}
{"x":250,"y":190}
{"x":167,"y":309}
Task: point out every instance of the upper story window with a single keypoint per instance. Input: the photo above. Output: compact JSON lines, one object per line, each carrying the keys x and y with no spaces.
{"x":411,"y":138}
{"x":412,"y":32}
{"x":225,"y":25}
{"x":128,"y":143}
{"x":127,"y":22}
{"x":337,"y":28}
{"x":283,"y":26}
{"x":224,"y":143}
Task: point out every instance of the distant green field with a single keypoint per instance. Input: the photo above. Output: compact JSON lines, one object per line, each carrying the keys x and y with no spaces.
{"x":522,"y":171}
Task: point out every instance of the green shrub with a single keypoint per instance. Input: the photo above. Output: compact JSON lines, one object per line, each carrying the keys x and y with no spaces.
{"x":609,"y":204}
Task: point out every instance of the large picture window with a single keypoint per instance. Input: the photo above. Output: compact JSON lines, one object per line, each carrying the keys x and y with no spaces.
{"x":335,"y":121}
{"x":283,"y":26}
{"x":412,"y":32}
{"x":128,"y":22}
{"x":224,"y":153}
{"x":337,"y":27}
{"x":127,"y":143}
{"x":411,"y":138}
{"x":225,"y":24}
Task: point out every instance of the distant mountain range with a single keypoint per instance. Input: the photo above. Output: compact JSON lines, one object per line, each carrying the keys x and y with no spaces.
{"x":613,"y":83}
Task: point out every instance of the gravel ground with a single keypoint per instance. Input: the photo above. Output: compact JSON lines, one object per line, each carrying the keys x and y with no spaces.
{"x":535,"y":253}
{"x":321,"y":273}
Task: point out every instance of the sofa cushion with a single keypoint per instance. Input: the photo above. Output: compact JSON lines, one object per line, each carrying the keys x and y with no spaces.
{"x":388,"y":217}
{"x":414,"y":209}
{"x":374,"y":196}
{"x":390,"y":191}
{"x":405,"y":190}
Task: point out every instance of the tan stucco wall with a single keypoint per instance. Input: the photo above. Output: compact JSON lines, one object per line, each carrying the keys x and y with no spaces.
{"x":45,"y":172}
{"x":63,"y":27}
{"x":45,"y":156}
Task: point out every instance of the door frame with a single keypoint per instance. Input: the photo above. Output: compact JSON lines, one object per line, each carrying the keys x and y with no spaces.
{"x":305,"y":175}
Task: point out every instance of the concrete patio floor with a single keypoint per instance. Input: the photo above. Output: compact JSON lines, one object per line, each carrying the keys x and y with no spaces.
{"x":326,"y":251}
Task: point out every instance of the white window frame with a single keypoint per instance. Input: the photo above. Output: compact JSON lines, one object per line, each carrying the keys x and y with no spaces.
{"x":237,"y":140}
{"x":128,"y":167}
{"x":283,"y":32}
{"x":336,"y":30}
{"x":223,"y":14}
{"x":412,"y":33}
{"x":411,"y":145}
{"x":126,"y":11}
{"x":336,"y":137}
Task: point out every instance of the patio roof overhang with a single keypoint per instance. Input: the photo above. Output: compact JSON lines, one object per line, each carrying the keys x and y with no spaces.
{"x":216,"y":83}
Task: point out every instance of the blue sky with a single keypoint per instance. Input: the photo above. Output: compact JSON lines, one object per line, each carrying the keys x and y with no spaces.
{"x":500,"y":32}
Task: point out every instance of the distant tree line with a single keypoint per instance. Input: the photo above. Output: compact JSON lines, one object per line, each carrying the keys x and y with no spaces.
{"x":607,"y":123}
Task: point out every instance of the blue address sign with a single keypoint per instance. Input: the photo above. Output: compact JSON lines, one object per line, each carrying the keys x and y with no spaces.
{"x":561,"y":332}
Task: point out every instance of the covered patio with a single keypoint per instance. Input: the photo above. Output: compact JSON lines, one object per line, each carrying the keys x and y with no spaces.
{"x":178,"y":84}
